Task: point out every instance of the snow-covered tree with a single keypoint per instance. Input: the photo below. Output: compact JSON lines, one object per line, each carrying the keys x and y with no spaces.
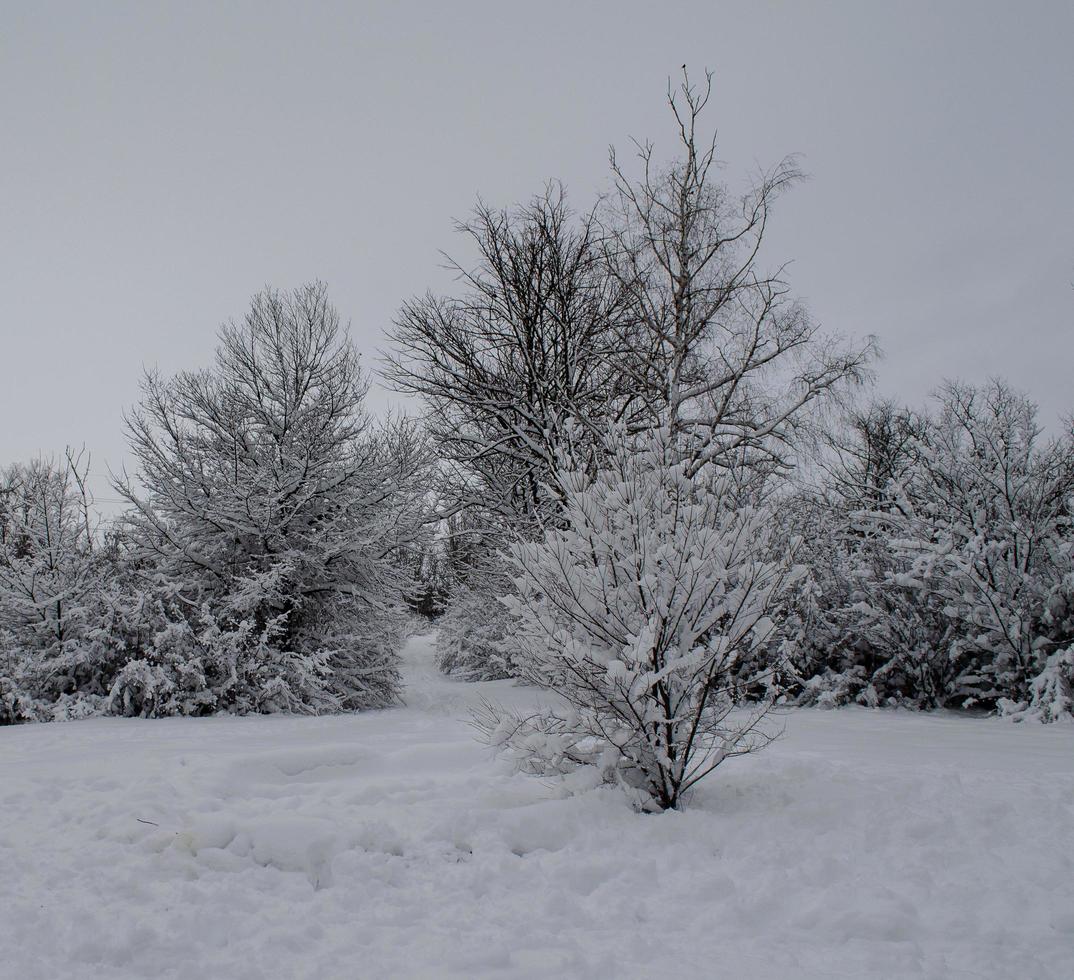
{"x":654,"y":311}
{"x":52,"y":586}
{"x":473,"y":639}
{"x":46,"y":551}
{"x":640,"y":613}
{"x":277,"y":510}
{"x":862,"y":633}
{"x":649,"y":605}
{"x":988,"y":533}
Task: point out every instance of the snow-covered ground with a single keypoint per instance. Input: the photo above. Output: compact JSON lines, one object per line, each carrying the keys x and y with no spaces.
{"x":391,"y":844}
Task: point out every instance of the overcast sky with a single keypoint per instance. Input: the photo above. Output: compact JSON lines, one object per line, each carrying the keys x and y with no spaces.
{"x":159,"y":163}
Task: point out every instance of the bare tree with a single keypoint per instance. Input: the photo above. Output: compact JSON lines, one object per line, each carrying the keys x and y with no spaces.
{"x":524,"y":362}
{"x":730,"y":360}
{"x":870,"y":454}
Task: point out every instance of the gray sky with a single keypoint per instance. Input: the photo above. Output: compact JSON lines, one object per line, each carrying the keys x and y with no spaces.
{"x":160,"y":163}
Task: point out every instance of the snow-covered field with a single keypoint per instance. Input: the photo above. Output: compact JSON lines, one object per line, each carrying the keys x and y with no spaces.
{"x":391,"y":844}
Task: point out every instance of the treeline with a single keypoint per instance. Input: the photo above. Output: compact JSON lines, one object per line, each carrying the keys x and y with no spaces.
{"x":643,"y":479}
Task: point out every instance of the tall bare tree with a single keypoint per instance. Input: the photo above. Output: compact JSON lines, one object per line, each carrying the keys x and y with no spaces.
{"x":730,"y":360}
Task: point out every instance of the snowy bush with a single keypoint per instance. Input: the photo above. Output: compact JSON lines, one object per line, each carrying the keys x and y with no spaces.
{"x":637,"y":614}
{"x":986,"y":532}
{"x":1051,"y":692}
{"x":862,"y":632}
{"x":16,"y":704}
{"x":199,"y":668}
{"x":865,"y":633}
{"x":940,"y":556}
{"x":474,"y":637}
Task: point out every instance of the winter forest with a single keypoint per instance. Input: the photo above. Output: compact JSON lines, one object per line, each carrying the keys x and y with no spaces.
{"x":645,"y":514}
{"x":644,"y":480}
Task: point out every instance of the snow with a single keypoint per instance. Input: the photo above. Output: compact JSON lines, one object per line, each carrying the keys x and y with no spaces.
{"x":392,"y":844}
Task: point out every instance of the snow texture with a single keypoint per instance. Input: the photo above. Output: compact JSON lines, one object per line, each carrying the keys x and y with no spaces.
{"x":391,"y":844}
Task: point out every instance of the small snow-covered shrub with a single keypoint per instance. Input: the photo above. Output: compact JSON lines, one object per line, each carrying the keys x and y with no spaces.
{"x":475,"y":633}
{"x":897,"y":637}
{"x":638,"y":614}
{"x":1051,"y":692}
{"x":474,"y":639}
{"x":360,"y":644}
{"x":193,"y":668}
{"x":195,"y":664}
{"x":16,"y":702}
